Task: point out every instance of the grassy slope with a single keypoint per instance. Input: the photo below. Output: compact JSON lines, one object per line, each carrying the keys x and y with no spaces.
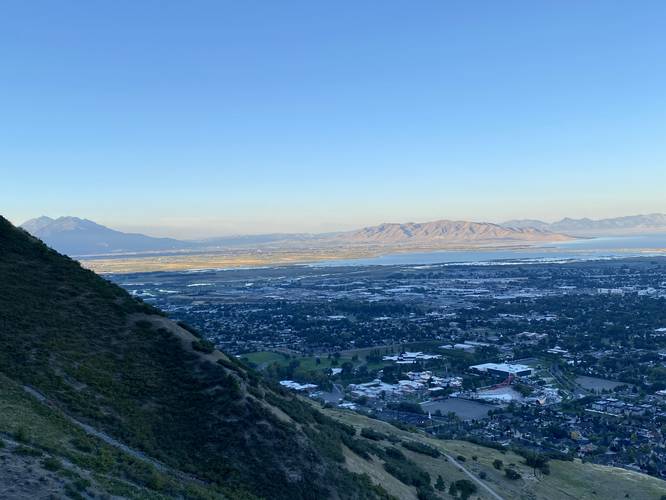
{"x":567,"y":480}
{"x":109,"y":361}
{"x":47,"y":434}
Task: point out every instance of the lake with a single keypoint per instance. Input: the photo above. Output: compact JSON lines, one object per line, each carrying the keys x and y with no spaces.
{"x":577,"y":250}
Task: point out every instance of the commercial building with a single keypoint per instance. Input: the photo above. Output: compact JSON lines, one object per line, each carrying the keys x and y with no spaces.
{"x":503,"y":369}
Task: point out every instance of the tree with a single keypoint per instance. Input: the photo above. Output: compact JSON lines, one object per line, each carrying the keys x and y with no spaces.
{"x":498,"y":464}
{"x":537,"y":461}
{"x":439,"y":485}
{"x":466,"y":488}
{"x":21,"y":435}
{"x":347,"y":369}
{"x":557,"y":431}
{"x":512,"y":474}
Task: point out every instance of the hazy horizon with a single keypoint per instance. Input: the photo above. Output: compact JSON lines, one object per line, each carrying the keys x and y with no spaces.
{"x":173,"y":232}
{"x":304,"y":117}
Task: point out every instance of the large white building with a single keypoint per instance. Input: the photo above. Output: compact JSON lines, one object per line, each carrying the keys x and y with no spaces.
{"x":295,"y":386}
{"x":409,"y":358}
{"x":503,"y":369}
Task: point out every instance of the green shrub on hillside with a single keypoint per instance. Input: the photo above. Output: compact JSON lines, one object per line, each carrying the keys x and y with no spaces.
{"x":27,"y":451}
{"x":408,"y":472}
{"x":189,"y":328}
{"x":394,"y":453}
{"x":512,"y":474}
{"x":21,"y":434}
{"x":421,"y":448}
{"x":51,"y":463}
{"x":204,"y":346}
{"x":464,"y":487}
{"x":372,"y":434}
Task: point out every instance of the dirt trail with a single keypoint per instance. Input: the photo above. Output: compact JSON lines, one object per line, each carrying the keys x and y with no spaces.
{"x":478,"y":481}
{"x":186,"y":339}
{"x":103,"y":436}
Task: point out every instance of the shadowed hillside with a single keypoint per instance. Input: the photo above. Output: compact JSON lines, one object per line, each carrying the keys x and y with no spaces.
{"x":94,"y":357}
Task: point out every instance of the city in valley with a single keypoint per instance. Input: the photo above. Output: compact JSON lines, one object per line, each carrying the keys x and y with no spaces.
{"x":566,"y":358}
{"x":333,"y":250}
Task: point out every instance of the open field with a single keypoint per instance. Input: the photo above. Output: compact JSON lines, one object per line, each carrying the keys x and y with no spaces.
{"x":307,"y":364}
{"x":597,"y":384}
{"x":262,"y":359}
{"x":218,"y":260}
{"x":280,"y":256}
{"x":266,"y":358}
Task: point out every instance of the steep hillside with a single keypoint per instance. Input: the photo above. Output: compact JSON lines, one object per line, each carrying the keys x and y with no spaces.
{"x":446,"y":231}
{"x":147,"y":392}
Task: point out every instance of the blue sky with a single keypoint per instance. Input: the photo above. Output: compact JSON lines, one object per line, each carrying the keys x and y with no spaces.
{"x":199,"y":118}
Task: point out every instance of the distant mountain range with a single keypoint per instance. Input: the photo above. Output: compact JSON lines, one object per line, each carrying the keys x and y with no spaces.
{"x":82,"y":237}
{"x":632,"y":224}
{"x":447,"y":231}
{"x":74,"y":236}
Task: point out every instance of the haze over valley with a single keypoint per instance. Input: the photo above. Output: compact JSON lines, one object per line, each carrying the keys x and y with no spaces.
{"x":108,"y":250}
{"x":76,"y":236}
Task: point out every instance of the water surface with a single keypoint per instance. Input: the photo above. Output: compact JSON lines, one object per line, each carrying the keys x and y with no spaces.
{"x":576,"y":250}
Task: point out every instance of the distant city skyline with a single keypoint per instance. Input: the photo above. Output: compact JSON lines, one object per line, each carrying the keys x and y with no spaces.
{"x":259,"y":117}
